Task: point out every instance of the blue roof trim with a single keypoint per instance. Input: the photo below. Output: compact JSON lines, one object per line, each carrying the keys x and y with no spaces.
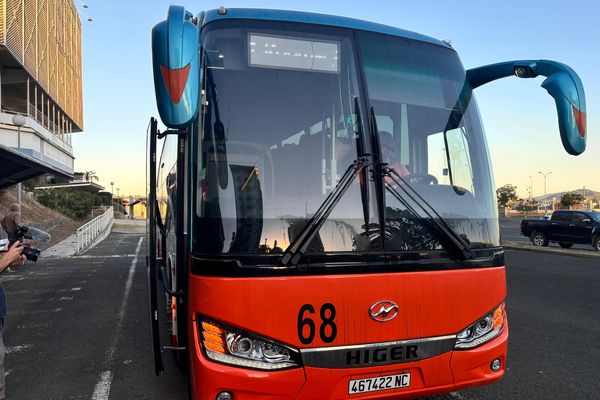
{"x":318,"y":19}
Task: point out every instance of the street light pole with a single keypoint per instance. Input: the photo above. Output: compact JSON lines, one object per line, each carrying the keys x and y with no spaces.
{"x":530,"y":188}
{"x":112,"y":194}
{"x":545,"y":193}
{"x":118,"y":200}
{"x":19,"y":147}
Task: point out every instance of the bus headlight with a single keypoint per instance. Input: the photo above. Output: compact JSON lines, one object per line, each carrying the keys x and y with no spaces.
{"x":482,"y":331}
{"x":235,"y":347}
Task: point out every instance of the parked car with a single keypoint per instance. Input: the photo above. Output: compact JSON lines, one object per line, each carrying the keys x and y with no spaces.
{"x":564,"y":227}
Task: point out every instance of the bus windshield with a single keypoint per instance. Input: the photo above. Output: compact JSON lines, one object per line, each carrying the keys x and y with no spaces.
{"x":284,"y":115}
{"x":430,"y":133}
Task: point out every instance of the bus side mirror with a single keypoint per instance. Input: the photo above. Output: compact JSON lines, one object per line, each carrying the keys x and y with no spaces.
{"x":176,"y":66}
{"x":561,"y":82}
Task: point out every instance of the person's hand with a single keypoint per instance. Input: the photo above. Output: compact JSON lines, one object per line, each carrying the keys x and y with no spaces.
{"x":14,"y":256}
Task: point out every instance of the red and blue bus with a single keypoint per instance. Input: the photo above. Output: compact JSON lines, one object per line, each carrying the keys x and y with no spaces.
{"x":323,"y":221}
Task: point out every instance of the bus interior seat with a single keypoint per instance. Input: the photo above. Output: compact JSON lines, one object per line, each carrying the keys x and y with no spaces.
{"x":313,"y":145}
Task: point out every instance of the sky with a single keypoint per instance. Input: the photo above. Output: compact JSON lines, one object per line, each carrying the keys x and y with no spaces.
{"x":519,"y":116}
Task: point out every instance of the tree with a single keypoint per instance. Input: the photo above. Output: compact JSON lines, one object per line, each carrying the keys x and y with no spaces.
{"x":90,"y":176}
{"x":506,"y":195}
{"x":525,"y":207}
{"x":74,"y":204}
{"x":105,"y":198}
{"x":30,"y":184}
{"x":569,"y":199}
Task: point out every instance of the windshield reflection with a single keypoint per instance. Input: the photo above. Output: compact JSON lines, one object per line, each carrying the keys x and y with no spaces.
{"x":429,"y":132}
{"x":277,"y":134}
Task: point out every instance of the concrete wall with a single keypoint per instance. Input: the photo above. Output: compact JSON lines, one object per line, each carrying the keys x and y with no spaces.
{"x":37,"y":142}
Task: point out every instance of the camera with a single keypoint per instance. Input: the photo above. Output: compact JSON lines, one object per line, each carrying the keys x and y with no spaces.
{"x":31,"y":253}
{"x":29,"y":233}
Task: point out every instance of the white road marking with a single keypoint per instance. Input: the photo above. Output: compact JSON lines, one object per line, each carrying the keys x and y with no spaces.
{"x":33,"y":325}
{"x":35,"y":301}
{"x":59,"y":309}
{"x":111,"y":256}
{"x":66,"y":298}
{"x":11,"y":277}
{"x":458,"y":396}
{"x":75,"y":289}
{"x":41,"y":292}
{"x":32,"y":278}
{"x":102,"y":388}
{"x":30,"y":292}
{"x":16,"y":349}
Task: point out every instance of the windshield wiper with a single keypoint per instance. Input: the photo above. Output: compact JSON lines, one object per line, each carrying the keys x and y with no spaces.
{"x":296,"y":249}
{"x":379,"y":185}
{"x":434,"y":220}
{"x":364,"y":190}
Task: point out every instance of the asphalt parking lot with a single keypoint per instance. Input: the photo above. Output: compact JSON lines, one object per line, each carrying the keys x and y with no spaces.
{"x":77,"y":328}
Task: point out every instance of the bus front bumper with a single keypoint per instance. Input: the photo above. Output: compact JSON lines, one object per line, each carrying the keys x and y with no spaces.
{"x":447,"y":372}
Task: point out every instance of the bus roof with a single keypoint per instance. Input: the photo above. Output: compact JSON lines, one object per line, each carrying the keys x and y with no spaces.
{"x":313,"y":18}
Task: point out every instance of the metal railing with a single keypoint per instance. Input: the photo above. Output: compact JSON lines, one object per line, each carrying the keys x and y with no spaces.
{"x":63,"y":141}
{"x":87,"y":233}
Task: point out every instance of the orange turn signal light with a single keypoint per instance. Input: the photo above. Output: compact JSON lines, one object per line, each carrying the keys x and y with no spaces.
{"x":498,"y":318}
{"x":208,"y":327}
{"x":217,"y":348}
{"x":213,"y":337}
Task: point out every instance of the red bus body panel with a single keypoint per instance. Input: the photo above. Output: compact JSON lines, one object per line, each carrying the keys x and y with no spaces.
{"x":431,"y":304}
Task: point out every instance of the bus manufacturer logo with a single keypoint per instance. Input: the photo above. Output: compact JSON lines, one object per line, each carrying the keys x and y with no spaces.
{"x":383,"y":310}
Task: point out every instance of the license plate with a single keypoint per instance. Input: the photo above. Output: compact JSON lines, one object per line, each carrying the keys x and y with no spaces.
{"x":378,"y":383}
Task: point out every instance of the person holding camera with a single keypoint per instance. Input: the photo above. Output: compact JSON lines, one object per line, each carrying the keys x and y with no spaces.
{"x":9,"y":257}
{"x":12,"y":221}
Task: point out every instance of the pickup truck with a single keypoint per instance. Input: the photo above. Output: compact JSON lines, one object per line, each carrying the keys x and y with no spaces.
{"x":564,"y":227}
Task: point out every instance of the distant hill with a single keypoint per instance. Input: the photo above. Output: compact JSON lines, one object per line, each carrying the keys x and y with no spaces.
{"x":589,"y":194}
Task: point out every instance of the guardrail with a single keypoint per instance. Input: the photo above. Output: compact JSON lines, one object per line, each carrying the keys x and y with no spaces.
{"x":40,"y":128}
{"x":86,"y":234}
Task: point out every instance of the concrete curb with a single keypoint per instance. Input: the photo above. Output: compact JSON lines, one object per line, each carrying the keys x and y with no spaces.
{"x":130,"y":226}
{"x":551,"y":250}
{"x":68,"y":246}
{"x":63,"y":249}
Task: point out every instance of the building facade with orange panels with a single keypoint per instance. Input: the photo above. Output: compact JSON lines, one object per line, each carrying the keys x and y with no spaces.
{"x":41,"y":79}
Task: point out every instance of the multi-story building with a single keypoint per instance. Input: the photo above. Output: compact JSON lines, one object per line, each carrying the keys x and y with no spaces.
{"x":40,"y":88}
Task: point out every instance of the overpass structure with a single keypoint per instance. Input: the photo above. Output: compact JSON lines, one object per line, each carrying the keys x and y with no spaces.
{"x":40,"y":88}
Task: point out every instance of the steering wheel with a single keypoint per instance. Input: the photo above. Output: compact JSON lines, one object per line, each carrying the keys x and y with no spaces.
{"x":421,"y":179}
